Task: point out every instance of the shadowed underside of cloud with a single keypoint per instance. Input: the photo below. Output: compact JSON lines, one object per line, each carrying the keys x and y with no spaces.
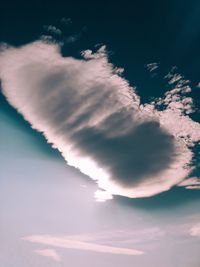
{"x":95,"y":119}
{"x":116,"y":153}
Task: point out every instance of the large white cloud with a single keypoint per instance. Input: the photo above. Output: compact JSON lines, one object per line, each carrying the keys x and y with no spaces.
{"x":95,"y":119}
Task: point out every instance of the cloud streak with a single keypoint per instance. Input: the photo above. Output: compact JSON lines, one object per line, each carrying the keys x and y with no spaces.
{"x":71,"y":243}
{"x":49,"y":253}
{"x":191,"y":183}
{"x":95,"y":119}
{"x":195,"y":230}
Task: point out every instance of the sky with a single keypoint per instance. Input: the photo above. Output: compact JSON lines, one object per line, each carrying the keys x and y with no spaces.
{"x":100,"y":134}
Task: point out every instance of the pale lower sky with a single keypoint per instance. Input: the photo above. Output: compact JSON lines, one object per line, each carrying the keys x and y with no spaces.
{"x":49,"y":217}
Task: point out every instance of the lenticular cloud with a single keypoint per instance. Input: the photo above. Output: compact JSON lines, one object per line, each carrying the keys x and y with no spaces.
{"x":95,"y":119}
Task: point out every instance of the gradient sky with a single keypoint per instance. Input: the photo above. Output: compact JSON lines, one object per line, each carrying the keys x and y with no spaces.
{"x":48,"y":213}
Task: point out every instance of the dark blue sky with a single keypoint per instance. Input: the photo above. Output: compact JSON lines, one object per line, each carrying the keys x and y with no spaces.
{"x":135,"y":33}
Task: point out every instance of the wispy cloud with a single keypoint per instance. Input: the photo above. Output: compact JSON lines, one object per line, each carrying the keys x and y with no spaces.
{"x":66,"y":21}
{"x":152,"y":66}
{"x":50,"y":253}
{"x":53,"y":30}
{"x":74,"y":37}
{"x":191,"y":183}
{"x":177,"y":97}
{"x":128,"y":237}
{"x":195,"y":230}
{"x":72,"y":243}
{"x":95,"y":119}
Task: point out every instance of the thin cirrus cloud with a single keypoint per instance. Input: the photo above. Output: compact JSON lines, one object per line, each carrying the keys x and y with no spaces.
{"x":191,"y":183}
{"x":49,"y":253}
{"x":152,"y":66}
{"x":95,"y":119}
{"x":71,"y":243}
{"x":118,"y":237}
{"x":195,"y":230}
{"x":53,"y":30}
